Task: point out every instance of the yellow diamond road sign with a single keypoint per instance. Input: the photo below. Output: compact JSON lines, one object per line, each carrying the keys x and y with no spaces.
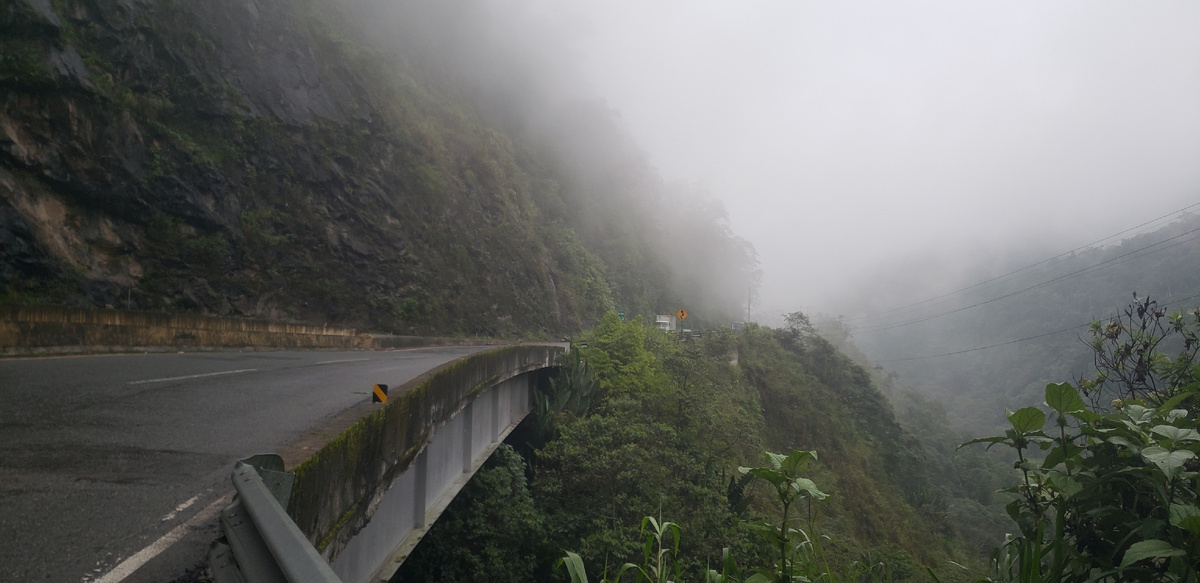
{"x":681,"y":314}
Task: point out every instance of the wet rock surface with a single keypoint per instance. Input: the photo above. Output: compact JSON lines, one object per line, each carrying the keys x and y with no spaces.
{"x":236,"y":158}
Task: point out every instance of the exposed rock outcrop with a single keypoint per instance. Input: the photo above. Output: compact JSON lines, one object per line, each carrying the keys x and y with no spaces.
{"x":240,"y":157}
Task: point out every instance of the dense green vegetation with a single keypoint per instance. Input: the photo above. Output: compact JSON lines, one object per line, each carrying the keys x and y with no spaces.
{"x":1140,"y":353}
{"x":644,"y":462}
{"x":1108,"y":492}
{"x":659,"y":427}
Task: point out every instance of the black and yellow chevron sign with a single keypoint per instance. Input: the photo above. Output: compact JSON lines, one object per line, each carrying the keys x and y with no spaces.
{"x":379,"y":394}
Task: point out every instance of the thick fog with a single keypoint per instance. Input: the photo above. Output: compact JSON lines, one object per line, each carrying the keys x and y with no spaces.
{"x":845,"y":135}
{"x":849,"y":138}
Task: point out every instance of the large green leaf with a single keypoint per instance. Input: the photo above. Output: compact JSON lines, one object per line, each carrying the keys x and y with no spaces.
{"x":776,"y":478}
{"x":1086,"y":416}
{"x":807,"y":485}
{"x":1014,"y":510}
{"x":1063,"y":454}
{"x":1150,"y":549}
{"x":1063,"y":398}
{"x":1186,"y":516}
{"x":1176,"y":434}
{"x":1139,"y":414}
{"x":1170,"y":462}
{"x":797,"y":461}
{"x":1067,"y":485}
{"x":1027,"y":419}
{"x":729,"y":569}
{"x":1121,"y":441}
{"x":1169,"y":406}
{"x":574,"y":567}
{"x":1176,"y":414}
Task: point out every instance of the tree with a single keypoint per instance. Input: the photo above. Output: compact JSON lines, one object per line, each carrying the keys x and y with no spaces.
{"x":493,"y":531}
{"x":1115,"y":496}
{"x":1133,"y":355}
{"x":1114,"y":499}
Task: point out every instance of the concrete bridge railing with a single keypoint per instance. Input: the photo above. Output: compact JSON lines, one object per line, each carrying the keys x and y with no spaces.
{"x":367,"y":497}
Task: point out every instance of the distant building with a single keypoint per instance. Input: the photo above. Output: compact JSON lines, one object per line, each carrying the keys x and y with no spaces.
{"x":738,"y":326}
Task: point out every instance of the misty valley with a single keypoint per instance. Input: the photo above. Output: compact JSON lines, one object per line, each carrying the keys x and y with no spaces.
{"x":747,"y":394}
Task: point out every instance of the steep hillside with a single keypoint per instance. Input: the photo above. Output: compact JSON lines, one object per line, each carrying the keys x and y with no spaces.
{"x":1031,"y":326}
{"x":952,"y":366}
{"x":259,"y":158}
{"x":647,"y":425}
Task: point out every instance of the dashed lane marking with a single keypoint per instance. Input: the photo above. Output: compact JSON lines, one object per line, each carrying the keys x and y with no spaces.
{"x":193,"y":376}
{"x":347,"y":360}
{"x":180,"y":508}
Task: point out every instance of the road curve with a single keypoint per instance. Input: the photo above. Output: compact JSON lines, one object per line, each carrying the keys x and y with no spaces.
{"x":113,"y":467}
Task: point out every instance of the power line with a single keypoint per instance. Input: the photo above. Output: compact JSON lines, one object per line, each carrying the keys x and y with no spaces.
{"x":1027,"y":338}
{"x":1027,"y":267}
{"x":1102,"y":264}
{"x":984,"y":347}
{"x":1064,"y":254}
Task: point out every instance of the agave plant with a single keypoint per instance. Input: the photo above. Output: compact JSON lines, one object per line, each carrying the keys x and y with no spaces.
{"x":572,"y":392}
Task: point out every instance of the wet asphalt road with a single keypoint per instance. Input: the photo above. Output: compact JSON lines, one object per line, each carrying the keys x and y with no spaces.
{"x":103,"y":457}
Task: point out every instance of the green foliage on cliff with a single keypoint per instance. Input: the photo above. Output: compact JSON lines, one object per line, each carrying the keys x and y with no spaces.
{"x":1113,"y":496}
{"x":669,"y":424}
{"x":270,"y":160}
{"x":652,"y":475}
{"x":496,"y":530}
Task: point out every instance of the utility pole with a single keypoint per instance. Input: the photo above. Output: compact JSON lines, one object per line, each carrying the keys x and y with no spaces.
{"x":749,"y":295}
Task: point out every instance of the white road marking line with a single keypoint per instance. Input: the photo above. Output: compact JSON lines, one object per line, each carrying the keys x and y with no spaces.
{"x":348,"y":360}
{"x":180,"y":508}
{"x":135,"y":562}
{"x":193,"y":376}
{"x":59,"y":356}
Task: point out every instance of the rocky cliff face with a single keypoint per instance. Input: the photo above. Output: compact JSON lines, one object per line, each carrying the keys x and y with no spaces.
{"x":242,"y":157}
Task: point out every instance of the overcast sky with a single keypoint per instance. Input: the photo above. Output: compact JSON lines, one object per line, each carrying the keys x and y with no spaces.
{"x":845,"y":136}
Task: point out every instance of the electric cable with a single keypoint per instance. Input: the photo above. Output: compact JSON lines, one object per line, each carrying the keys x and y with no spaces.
{"x":1027,"y":267}
{"x":1027,"y":338}
{"x":1102,"y":264}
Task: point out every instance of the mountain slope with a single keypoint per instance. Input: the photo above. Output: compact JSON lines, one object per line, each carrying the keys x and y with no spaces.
{"x":1031,"y":326}
{"x":258,"y":158}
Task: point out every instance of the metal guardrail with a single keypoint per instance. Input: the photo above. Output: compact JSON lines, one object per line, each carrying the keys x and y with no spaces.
{"x":262,"y":544}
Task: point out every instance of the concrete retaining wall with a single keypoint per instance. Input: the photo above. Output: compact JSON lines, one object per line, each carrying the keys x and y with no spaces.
{"x":33,"y":330}
{"x":339,"y":489}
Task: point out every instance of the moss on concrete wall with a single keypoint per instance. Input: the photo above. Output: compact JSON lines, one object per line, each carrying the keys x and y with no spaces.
{"x":338,"y":488}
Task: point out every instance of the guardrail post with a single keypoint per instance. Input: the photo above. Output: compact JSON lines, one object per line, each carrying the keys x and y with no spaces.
{"x":252,"y":560}
{"x":292,"y":552}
